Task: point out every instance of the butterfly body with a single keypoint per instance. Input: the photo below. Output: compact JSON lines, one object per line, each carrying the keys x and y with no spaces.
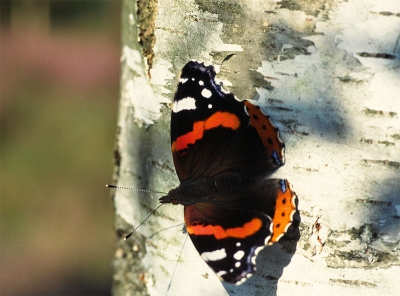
{"x":224,"y":150}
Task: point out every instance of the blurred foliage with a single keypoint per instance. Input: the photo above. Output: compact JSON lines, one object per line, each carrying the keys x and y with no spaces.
{"x":67,"y":13}
{"x":56,"y":157}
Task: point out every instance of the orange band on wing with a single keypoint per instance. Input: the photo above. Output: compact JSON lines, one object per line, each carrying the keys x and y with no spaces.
{"x":246,"y":230}
{"x":224,"y":119}
{"x":182,"y":142}
{"x":284,"y":210}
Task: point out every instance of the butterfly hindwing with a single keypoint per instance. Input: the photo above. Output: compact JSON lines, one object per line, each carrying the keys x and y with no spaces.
{"x":228,"y":232}
{"x":227,"y":239}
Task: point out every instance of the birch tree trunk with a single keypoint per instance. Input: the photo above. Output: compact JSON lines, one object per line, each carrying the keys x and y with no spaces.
{"x":328,"y":74}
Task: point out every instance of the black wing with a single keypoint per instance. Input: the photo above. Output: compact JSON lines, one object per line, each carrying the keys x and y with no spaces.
{"x":212,"y":133}
{"x":229,"y":231}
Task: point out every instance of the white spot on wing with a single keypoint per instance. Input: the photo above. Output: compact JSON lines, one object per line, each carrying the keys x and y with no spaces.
{"x":271,"y":229}
{"x":258,"y":250}
{"x":184,"y":104}
{"x":245,"y":110}
{"x":183,"y":80}
{"x":209,"y":106}
{"x":214,"y":256}
{"x":221,"y":273}
{"x":267,"y":242}
{"x":201,"y":82}
{"x":238,"y":255}
{"x":206,"y":93}
{"x":237,"y":264}
{"x":238,"y":244}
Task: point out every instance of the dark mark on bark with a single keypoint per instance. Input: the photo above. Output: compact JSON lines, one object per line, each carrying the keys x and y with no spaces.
{"x":227,"y":58}
{"x":386,"y":13}
{"x":395,"y":136}
{"x":379,"y":112}
{"x":147,"y":12}
{"x":374,"y":202}
{"x":348,"y":79}
{"x":306,"y":169}
{"x":281,"y":109}
{"x":270,"y":277}
{"x":353,"y":282}
{"x":377,"y":55}
{"x":271,"y":100}
{"x":388,"y":163}
{"x":366,"y":258}
{"x":370,"y":141}
{"x":203,"y":19}
{"x":163,"y":166}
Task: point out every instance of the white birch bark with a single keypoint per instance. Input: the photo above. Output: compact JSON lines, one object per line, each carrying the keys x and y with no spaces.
{"x":328,"y":74}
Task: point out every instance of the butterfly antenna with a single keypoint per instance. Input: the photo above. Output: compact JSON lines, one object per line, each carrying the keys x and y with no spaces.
{"x":126,"y":237}
{"x":134,"y":189}
{"x":155,"y":233}
{"x":176,"y":265}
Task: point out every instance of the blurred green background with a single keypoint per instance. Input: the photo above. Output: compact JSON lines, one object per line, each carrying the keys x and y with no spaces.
{"x":59,"y":83}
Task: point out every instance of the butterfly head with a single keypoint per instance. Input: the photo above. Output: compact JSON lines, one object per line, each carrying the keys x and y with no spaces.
{"x":190,"y":192}
{"x":171,"y":197}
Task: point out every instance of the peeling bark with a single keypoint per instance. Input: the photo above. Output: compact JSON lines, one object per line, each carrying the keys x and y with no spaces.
{"x":146,"y":14}
{"x":327,"y":72}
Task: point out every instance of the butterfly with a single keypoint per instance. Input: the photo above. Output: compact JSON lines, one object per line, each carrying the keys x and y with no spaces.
{"x":223,"y":151}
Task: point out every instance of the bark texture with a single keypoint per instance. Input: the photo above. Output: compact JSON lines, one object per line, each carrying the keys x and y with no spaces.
{"x":327,"y":72}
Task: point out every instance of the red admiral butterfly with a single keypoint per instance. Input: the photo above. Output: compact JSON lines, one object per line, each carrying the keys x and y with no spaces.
{"x":222,"y":150}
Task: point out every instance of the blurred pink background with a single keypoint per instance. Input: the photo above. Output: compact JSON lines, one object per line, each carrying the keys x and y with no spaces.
{"x":59,"y":83}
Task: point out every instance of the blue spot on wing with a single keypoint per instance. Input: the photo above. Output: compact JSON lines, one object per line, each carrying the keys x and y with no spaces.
{"x":276,"y":158}
{"x":283,"y":185}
